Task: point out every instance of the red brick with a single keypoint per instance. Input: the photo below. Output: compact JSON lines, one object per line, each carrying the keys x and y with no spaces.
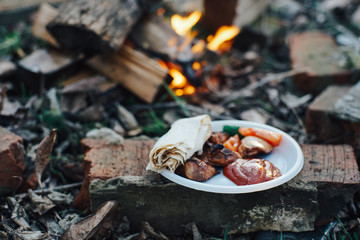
{"x":316,"y":53}
{"x":12,"y":163}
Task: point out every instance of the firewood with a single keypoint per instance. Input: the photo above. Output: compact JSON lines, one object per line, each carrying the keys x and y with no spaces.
{"x":133,"y":69}
{"x":137,"y":72}
{"x":153,"y":35}
{"x":118,"y":172}
{"x":94,"y":26}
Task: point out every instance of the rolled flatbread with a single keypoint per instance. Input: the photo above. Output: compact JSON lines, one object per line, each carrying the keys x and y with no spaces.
{"x":185,"y":137}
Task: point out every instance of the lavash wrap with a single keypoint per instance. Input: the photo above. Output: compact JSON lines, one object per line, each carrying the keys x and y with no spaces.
{"x":185,"y":137}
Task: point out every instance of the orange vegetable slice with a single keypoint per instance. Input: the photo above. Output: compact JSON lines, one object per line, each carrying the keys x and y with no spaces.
{"x":271,"y":137}
{"x":232,"y":143}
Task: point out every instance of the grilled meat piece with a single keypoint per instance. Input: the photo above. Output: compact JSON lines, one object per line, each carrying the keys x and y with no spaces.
{"x":251,"y":146}
{"x":220,"y":156}
{"x":198,"y":170}
{"x":218,"y":137}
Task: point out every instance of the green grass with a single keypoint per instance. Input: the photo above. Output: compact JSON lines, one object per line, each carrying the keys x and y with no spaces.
{"x":9,"y":41}
{"x":157,"y":127}
{"x":347,"y":234}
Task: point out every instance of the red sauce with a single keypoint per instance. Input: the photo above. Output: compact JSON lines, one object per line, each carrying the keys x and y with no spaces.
{"x":246,"y":172}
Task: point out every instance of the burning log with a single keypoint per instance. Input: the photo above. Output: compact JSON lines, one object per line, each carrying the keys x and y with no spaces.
{"x":234,"y":12}
{"x":94,"y":26}
{"x":134,"y":70}
{"x":153,"y":35}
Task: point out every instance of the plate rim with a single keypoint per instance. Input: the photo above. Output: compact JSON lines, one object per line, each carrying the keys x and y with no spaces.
{"x":290,"y":174}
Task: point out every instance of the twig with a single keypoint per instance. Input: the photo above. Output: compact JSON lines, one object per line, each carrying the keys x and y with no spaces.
{"x":267,"y":79}
{"x":2,"y":96}
{"x":47,"y":190}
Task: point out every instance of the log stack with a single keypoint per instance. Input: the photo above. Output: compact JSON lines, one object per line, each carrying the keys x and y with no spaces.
{"x":96,"y":26}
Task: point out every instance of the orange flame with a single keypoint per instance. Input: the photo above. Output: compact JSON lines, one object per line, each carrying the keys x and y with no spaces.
{"x":182,"y":25}
{"x":179,"y":84}
{"x":179,"y":80}
{"x":196,"y":65}
{"x":198,"y":47}
{"x":224,"y":33}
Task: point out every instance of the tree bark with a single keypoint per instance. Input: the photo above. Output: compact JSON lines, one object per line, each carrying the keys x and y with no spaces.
{"x":94,"y":26}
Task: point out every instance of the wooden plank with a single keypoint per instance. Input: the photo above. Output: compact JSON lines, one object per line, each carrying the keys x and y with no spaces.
{"x":134,"y":70}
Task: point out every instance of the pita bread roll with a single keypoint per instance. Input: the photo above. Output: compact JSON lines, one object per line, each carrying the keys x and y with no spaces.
{"x":185,"y":137}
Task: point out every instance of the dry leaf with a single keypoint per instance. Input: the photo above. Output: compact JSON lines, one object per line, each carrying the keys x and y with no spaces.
{"x":43,"y":154}
{"x":91,"y":227}
{"x":40,"y":204}
{"x":18,"y":214}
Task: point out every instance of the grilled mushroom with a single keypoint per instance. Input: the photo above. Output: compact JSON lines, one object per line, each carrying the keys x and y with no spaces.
{"x":252,"y":146}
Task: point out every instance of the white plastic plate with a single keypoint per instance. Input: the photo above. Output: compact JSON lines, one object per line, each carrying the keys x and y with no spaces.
{"x":288,"y":157}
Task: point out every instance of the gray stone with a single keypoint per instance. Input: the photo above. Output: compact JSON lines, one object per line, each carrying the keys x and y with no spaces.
{"x":168,"y":206}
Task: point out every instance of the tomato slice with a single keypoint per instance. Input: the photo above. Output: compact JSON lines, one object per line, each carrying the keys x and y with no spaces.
{"x":232,"y":143}
{"x":271,"y":137}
